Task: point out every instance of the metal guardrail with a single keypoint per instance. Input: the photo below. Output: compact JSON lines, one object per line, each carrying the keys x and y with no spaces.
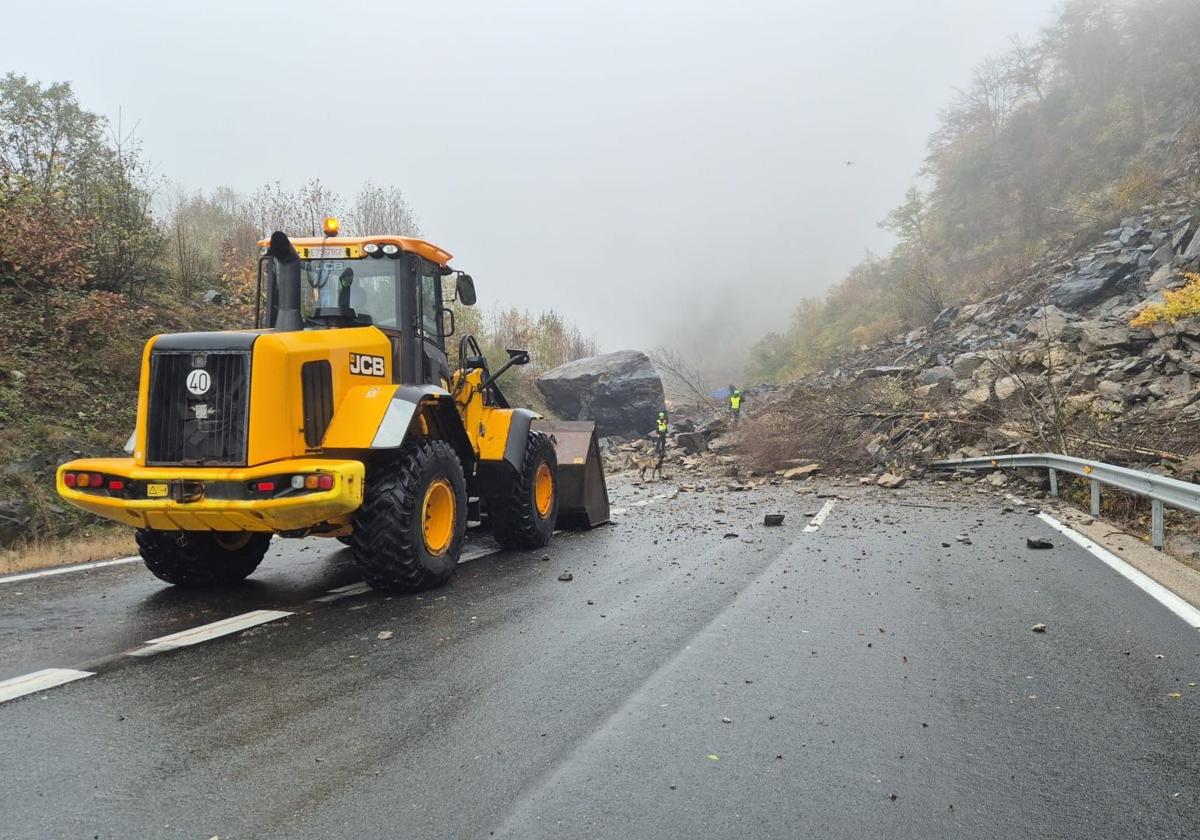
{"x":1160,"y":489}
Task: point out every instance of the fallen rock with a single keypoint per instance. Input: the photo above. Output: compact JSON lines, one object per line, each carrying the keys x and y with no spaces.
{"x":566,"y":576}
{"x":965,"y":364}
{"x":621,"y":392}
{"x":889,"y":481}
{"x":1047,"y":323}
{"x":884,"y":370}
{"x":1038,"y":542}
{"x":935,"y":375}
{"x":693,"y":443}
{"x":1083,"y":290}
{"x":944,"y":318}
{"x":797,"y":473}
{"x":1038,"y":628}
{"x":773,"y":520}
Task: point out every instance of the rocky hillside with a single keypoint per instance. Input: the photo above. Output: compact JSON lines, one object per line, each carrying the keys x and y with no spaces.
{"x":1060,"y":361}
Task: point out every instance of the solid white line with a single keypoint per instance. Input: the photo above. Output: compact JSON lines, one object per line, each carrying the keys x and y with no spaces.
{"x":819,"y":519}
{"x":38,"y":681}
{"x":62,"y":570}
{"x":215,"y":630}
{"x":1135,"y":576}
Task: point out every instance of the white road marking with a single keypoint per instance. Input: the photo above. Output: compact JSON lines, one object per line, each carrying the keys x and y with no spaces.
{"x":1138,"y":578}
{"x":819,"y":519}
{"x":475,"y":554}
{"x":205,"y":632}
{"x":347,"y":591}
{"x":62,"y":570}
{"x":38,"y":681}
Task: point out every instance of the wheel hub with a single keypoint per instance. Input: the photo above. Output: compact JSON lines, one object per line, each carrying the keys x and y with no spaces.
{"x":437,"y":516}
{"x":543,"y":490}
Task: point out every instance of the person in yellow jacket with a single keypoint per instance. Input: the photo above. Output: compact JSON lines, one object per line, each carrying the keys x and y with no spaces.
{"x":660,"y":446}
{"x":735,"y":404}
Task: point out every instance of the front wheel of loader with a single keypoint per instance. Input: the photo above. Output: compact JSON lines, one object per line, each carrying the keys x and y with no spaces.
{"x":526,"y":515}
{"x":201,"y":558}
{"x":409,"y":531}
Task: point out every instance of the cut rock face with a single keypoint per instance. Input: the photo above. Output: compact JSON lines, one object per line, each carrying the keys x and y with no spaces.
{"x":621,"y":391}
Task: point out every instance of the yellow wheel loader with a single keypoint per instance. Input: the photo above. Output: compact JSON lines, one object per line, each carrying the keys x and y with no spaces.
{"x":339,"y":415}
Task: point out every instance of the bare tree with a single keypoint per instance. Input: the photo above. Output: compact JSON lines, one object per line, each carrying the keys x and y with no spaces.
{"x":381,"y":210}
{"x":682,"y":380}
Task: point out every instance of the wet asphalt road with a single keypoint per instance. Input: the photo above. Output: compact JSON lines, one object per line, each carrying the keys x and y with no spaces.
{"x":875,"y":684}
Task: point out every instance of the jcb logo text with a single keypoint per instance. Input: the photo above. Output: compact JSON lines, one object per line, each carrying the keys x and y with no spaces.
{"x":364,"y":365}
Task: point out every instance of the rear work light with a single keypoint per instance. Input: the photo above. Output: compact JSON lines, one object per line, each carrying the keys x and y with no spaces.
{"x":391,"y":250}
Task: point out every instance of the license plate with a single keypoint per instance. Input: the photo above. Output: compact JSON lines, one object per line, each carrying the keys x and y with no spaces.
{"x":328,"y":253}
{"x":158,"y":491}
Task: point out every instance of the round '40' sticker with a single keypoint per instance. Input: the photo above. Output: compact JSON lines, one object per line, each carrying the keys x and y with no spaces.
{"x":198,"y":382}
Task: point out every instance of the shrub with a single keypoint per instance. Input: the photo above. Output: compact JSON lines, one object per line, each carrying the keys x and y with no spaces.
{"x":1177,"y":305}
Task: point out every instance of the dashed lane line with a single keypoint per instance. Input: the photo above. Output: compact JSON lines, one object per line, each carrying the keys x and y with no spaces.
{"x":819,"y":519}
{"x":1138,"y":578}
{"x":347,"y":591}
{"x":38,"y":681}
{"x":62,"y":570}
{"x":351,"y":590}
{"x":205,"y":632}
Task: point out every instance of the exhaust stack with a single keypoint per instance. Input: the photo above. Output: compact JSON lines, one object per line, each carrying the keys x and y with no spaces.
{"x":287,"y":278}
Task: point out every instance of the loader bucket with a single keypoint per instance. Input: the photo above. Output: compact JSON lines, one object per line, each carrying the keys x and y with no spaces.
{"x":582,"y":493}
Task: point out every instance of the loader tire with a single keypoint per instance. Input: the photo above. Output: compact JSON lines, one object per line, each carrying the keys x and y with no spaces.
{"x":524,"y":518}
{"x":409,"y":531}
{"x":201,"y":558}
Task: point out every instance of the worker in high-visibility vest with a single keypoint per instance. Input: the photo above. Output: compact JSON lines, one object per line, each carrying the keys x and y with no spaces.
{"x":660,"y":445}
{"x":735,"y":404}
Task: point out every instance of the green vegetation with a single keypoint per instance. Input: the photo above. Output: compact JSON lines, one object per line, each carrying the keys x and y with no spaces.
{"x":1054,"y":139}
{"x":97,"y":255}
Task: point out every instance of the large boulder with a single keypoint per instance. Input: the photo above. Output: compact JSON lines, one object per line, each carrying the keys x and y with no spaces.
{"x":621,"y":391}
{"x":1086,"y":289}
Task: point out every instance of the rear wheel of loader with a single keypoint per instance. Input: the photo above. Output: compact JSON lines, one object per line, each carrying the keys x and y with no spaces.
{"x":202,"y":558}
{"x":409,"y":531}
{"x":525,"y":517}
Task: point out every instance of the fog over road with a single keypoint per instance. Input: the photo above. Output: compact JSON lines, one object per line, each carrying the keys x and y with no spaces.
{"x":859,"y":679}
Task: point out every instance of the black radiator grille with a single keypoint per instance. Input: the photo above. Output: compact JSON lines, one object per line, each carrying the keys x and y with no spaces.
{"x":316,"y":379}
{"x":206,"y":428}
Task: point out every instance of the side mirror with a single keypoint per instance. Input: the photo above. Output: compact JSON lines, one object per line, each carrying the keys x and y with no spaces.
{"x":517,"y":357}
{"x":465,"y":289}
{"x":447,"y":323}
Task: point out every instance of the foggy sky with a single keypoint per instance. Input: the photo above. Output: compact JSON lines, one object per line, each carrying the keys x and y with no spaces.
{"x":646,"y":168}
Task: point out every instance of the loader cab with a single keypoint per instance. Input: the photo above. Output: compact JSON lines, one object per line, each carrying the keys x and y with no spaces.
{"x":391,"y":283}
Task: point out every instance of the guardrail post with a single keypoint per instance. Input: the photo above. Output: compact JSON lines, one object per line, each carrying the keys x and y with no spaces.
{"x":1156,"y":523}
{"x":1095,"y":497}
{"x":1054,"y":482}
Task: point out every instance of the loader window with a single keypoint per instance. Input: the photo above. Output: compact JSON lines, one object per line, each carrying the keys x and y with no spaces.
{"x":431,"y":306}
{"x":371,"y":284}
